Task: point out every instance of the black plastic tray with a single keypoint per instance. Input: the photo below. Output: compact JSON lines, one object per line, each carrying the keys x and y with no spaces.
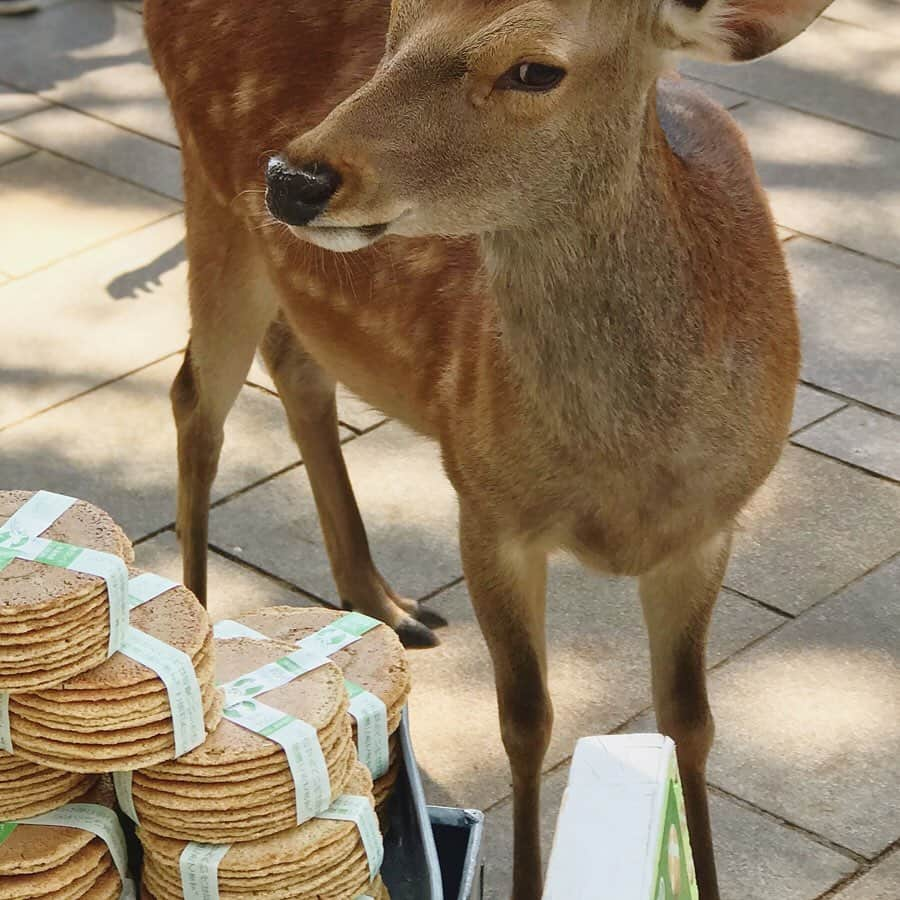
{"x":458,"y":835}
{"x":411,"y":870}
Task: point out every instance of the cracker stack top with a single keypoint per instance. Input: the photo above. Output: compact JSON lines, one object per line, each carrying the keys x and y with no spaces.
{"x":57,"y":862}
{"x":117,"y":716}
{"x":238,"y":785}
{"x":376,"y":661}
{"x":322,"y":858}
{"x":54,"y":622}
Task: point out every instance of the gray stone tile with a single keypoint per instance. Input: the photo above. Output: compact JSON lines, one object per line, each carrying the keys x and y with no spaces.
{"x":406,"y":502}
{"x":755,"y":856}
{"x":70,"y":206}
{"x":233,"y":589}
{"x":599,"y":678}
{"x":352,"y":410}
{"x":722,"y":96}
{"x":826,"y":179}
{"x":808,"y":722}
{"x":90,"y":55}
{"x":784,"y":233}
{"x":878,"y":884}
{"x":92,"y":318}
{"x":116,"y":447}
{"x":10,"y":149}
{"x":858,"y":436}
{"x":849,"y":320}
{"x":835,"y":70}
{"x":138,"y":159}
{"x":14,"y":103}
{"x":814,"y":526}
{"x":810,"y":405}
{"x":877,"y":15}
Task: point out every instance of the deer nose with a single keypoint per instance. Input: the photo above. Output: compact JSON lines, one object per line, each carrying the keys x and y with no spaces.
{"x":297,"y":196}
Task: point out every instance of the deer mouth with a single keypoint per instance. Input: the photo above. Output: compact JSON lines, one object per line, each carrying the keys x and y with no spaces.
{"x":339,"y":238}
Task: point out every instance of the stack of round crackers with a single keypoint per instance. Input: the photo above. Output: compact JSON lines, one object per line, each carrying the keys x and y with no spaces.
{"x":54,"y":623}
{"x":238,"y":785}
{"x":117,"y":716}
{"x":322,"y":859}
{"x":27,"y":789}
{"x":376,"y":662}
{"x":48,"y":862}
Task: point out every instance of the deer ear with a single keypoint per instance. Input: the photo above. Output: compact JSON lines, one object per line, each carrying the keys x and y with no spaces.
{"x":734,"y":30}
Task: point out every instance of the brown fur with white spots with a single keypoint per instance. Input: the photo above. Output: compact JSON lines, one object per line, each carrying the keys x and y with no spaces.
{"x":602,"y":340}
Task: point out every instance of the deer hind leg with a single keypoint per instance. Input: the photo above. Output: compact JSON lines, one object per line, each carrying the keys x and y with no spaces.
{"x":231,"y":303}
{"x":678,"y":597}
{"x":507,"y":583}
{"x":308,"y":395}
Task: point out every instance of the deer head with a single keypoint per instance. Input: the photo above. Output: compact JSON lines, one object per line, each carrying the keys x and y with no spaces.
{"x":498,"y":114}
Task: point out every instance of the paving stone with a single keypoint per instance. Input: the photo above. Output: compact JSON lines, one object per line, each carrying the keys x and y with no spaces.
{"x":826,"y":179}
{"x":90,"y":55}
{"x":70,"y":206}
{"x":722,"y":96}
{"x":88,"y":140}
{"x":858,"y":436}
{"x":406,"y":502}
{"x":811,"y":405}
{"x":14,"y":103}
{"x":784,"y":234}
{"x":599,"y":678}
{"x":116,"y":447}
{"x":877,"y":15}
{"x":835,"y":70}
{"x":878,"y":884}
{"x":10,"y":149}
{"x":233,"y":589}
{"x":755,"y":856}
{"x":849,"y":320}
{"x":813,"y":527}
{"x":352,"y":410}
{"x":808,"y":720}
{"x":92,"y":318}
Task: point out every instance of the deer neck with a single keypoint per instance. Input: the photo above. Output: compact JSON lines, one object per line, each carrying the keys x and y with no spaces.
{"x":588,"y":300}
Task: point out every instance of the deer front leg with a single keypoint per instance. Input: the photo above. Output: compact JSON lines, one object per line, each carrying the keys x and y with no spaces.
{"x":678,"y":597}
{"x":231,"y":303}
{"x":507,"y":583}
{"x":308,"y":395}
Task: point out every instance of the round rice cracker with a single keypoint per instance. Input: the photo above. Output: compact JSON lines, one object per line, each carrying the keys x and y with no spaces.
{"x":32,"y":800}
{"x":337,"y":878}
{"x":317,"y":697}
{"x":232,"y":823}
{"x":28,"y":588}
{"x":127,"y":732}
{"x":107,"y":887}
{"x":118,"y":701}
{"x":100,"y":758}
{"x":174,"y":617}
{"x":84,"y":862}
{"x":271,"y":772}
{"x":376,"y":662}
{"x":40,"y":629}
{"x":83,"y":887}
{"x":31,"y":658}
{"x":37,"y":848}
{"x":275,"y":853}
{"x":157,"y":710}
{"x":50,"y":677}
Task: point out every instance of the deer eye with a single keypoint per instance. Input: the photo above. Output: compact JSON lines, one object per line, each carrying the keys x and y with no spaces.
{"x":530,"y":77}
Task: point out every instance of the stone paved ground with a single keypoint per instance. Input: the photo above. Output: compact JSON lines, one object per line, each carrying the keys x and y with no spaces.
{"x":806,"y":644}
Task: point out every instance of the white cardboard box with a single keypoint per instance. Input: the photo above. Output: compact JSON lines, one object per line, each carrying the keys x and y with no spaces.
{"x":621,"y":832}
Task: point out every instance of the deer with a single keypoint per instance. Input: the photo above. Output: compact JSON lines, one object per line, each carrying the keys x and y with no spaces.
{"x":509,"y":225}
